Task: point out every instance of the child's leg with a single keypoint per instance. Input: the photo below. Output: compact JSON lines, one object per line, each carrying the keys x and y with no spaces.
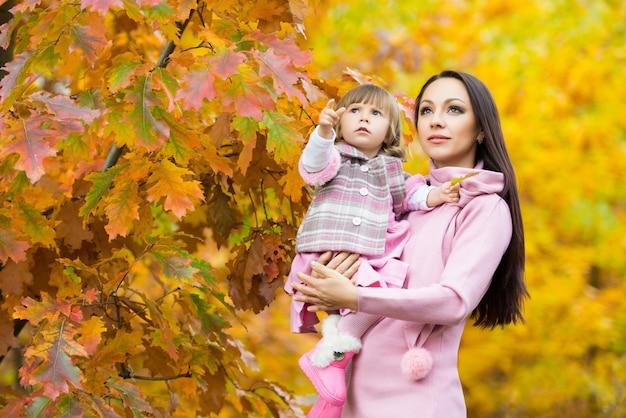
{"x":325,"y":365}
{"x":357,"y":323}
{"x":300,"y":319}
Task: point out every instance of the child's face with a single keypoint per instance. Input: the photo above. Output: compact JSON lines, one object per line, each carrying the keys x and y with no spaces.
{"x":365,"y":127}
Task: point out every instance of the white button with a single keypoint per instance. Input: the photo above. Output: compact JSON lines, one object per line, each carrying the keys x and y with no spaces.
{"x":365,"y":168}
{"x":356,"y":221}
{"x":363,"y":191}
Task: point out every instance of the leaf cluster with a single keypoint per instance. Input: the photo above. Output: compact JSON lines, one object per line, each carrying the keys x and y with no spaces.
{"x":134,"y":135}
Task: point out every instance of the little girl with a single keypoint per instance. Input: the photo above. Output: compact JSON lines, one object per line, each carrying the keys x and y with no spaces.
{"x":361,"y":191}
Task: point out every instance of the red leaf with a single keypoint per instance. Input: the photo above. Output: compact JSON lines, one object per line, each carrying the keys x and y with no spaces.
{"x":281,"y":72}
{"x":226,"y":63}
{"x":101,"y":6}
{"x":65,"y":108}
{"x":30,"y":145}
{"x":90,"y":39}
{"x":198,"y":86}
{"x":10,"y":80}
{"x":250,"y":99}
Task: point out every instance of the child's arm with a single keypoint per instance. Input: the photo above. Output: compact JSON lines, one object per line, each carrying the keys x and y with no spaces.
{"x":317,"y":152}
{"x":445,"y":193}
{"x":329,"y":118}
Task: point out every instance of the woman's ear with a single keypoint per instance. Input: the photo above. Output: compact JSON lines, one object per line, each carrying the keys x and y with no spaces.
{"x":481,"y":137}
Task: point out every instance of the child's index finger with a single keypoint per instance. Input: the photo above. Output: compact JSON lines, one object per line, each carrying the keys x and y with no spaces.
{"x":330,"y":104}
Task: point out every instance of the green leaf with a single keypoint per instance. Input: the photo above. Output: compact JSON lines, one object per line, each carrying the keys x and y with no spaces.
{"x":101,"y":185}
{"x":282,"y":138}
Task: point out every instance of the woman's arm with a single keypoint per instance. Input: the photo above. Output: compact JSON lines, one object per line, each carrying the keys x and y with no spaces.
{"x":482,"y":236}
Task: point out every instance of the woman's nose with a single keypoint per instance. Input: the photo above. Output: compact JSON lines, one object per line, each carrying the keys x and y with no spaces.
{"x":436,"y":120}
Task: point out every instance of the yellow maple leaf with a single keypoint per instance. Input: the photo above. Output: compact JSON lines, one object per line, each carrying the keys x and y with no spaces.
{"x":168,"y":181}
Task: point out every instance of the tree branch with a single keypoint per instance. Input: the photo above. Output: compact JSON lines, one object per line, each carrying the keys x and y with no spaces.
{"x":115,"y":152}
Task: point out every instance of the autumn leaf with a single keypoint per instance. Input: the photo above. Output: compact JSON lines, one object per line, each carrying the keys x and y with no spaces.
{"x":11,"y":247}
{"x":90,"y":334}
{"x":226,"y":62}
{"x":101,"y":6}
{"x":90,"y":39}
{"x":151,"y":133}
{"x":223,"y":218}
{"x":122,"y":208}
{"x":29,"y":142}
{"x":56,"y":372}
{"x":283,"y":139}
{"x":280,"y":71}
{"x":14,"y":76}
{"x":243,"y":90}
{"x":167,"y":181}
{"x":101,"y":185}
{"x":247,"y":128}
{"x":197,"y":87}
{"x":130,"y":395}
{"x":459,"y":179}
{"x":285,"y":47}
{"x":47,"y":309}
{"x":36,"y":226}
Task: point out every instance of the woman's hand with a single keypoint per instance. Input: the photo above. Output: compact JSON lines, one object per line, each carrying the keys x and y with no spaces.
{"x":344,"y":263}
{"x":327,"y":289}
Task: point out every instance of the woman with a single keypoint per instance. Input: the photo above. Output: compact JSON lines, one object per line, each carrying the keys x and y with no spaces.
{"x":465,"y":260}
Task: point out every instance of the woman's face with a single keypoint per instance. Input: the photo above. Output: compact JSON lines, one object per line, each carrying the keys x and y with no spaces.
{"x":446,"y":124}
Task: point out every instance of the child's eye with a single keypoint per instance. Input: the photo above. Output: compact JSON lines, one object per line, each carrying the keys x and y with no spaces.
{"x":376,"y":112}
{"x":354,"y":110}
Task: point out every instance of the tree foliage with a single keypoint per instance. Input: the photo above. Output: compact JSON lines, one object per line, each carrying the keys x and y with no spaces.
{"x":137,"y":138}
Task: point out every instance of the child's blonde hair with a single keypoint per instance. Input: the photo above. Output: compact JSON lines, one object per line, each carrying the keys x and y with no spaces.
{"x":377,"y":96}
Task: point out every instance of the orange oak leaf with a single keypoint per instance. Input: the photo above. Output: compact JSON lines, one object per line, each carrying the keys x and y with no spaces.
{"x":31,"y":145}
{"x":166,"y":181}
{"x":12,"y":248}
{"x":122,"y":208}
{"x":90,"y":332}
{"x":46,"y":309}
{"x":217,"y":162}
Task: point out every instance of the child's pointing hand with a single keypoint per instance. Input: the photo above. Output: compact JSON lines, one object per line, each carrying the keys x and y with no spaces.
{"x":329,"y":118}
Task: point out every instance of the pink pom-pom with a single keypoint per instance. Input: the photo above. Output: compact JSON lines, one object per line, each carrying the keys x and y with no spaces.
{"x":416,"y":363}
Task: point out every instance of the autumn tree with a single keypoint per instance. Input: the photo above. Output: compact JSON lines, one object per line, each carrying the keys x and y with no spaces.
{"x":132,"y":134}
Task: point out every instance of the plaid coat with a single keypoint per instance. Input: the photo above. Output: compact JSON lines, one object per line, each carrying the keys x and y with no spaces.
{"x":350,"y":211}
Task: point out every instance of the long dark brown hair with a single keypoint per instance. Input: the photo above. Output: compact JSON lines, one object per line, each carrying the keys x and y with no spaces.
{"x":504,"y":301}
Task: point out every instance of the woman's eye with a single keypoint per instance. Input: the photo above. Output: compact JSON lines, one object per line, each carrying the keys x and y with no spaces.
{"x":455,"y":109}
{"x":425,"y":110}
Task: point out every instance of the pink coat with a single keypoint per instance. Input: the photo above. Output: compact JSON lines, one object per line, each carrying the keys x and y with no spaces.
{"x":452,"y":253}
